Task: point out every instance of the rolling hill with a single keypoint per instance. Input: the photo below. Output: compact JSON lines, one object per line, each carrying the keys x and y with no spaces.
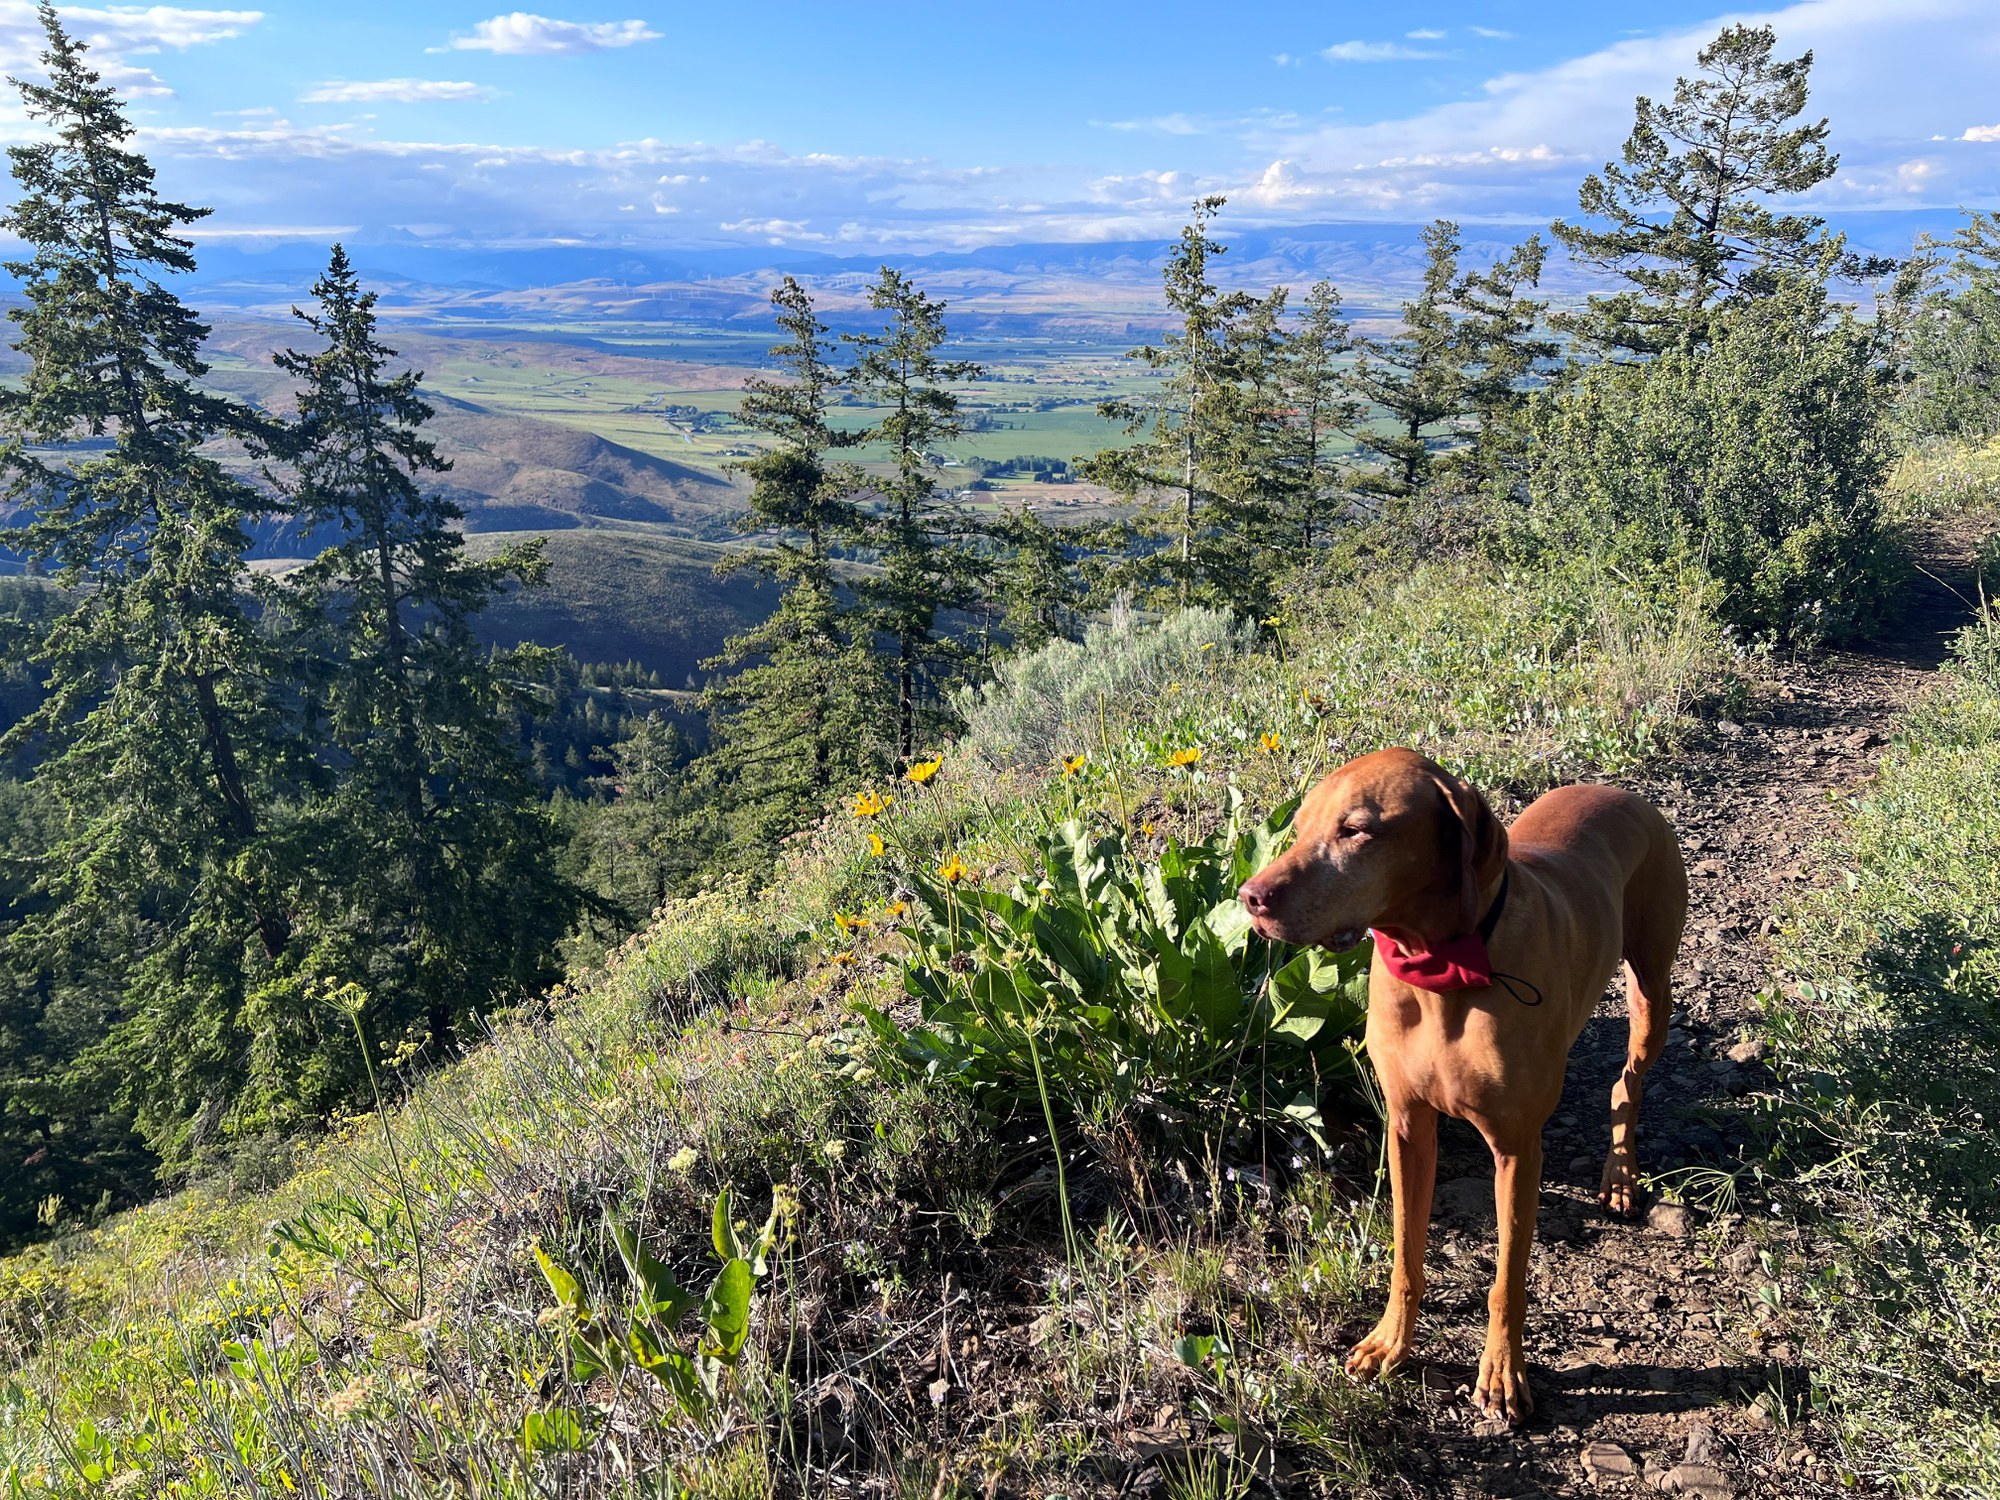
{"x":618,"y":595}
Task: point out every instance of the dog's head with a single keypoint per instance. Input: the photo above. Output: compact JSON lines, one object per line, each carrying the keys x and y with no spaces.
{"x":1391,"y":841}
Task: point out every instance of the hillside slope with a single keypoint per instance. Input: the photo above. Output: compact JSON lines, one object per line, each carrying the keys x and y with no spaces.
{"x":513,"y":473}
{"x":616,"y":595}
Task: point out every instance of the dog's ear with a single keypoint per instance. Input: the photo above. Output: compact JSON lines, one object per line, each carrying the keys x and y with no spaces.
{"x":1471,"y":832}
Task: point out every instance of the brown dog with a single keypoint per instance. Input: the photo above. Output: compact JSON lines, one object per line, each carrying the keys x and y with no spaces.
{"x":1590,"y":876}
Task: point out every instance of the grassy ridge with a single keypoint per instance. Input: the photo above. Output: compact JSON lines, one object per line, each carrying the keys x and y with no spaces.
{"x":377,"y":1323}
{"x":1887,"y":1036}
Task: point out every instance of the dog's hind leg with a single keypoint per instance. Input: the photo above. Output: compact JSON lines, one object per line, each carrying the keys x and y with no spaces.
{"x":1652,"y":938}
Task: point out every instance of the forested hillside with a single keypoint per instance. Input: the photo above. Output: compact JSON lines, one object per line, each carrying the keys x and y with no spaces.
{"x":434,"y":1064}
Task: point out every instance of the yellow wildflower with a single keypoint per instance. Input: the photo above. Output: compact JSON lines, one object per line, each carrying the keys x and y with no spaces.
{"x":871,"y":803}
{"x":896,"y":908}
{"x":924,"y":770}
{"x":875,"y":846}
{"x":853,"y":924}
{"x":1271,"y":740}
{"x":953,"y":870}
{"x":844,"y":959}
{"x":1191,"y":756}
{"x":1075,"y":763}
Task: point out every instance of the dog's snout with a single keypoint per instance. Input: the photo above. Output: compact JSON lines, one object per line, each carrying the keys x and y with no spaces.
{"x":1255,"y":897}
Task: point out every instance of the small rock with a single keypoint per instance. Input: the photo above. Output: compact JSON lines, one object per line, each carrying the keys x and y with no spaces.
{"x":1729,"y":727}
{"x":1861,"y":739}
{"x":1750,"y":1050}
{"x":1670,"y":1219}
{"x":1581,"y":1164}
{"x":1708,"y":867}
{"x":1701,"y":1447}
{"x":1704,"y":1481}
{"x":1604,"y":1462}
{"x":1742,"y":1261}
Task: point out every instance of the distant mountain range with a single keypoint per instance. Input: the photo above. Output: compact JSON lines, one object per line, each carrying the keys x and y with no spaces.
{"x":1086,"y":285}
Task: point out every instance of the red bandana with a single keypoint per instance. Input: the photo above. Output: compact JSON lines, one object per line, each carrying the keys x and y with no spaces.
{"x":1461,"y":964}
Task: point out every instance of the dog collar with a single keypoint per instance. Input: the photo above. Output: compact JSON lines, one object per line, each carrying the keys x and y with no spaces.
{"x":1460,"y":964}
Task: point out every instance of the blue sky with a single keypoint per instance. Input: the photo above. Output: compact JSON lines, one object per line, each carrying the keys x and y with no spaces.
{"x":921,"y":126}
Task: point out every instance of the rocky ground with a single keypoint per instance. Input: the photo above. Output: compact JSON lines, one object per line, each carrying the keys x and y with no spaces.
{"x":1646,"y":1345}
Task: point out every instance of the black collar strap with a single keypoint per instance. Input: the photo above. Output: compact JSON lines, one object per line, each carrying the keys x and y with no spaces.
{"x":1492,"y":918}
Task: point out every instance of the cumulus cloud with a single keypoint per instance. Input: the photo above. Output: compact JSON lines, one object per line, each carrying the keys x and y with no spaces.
{"x":1375,"y":52}
{"x":393,"y":91}
{"x":521,"y":33}
{"x":1982,"y":133}
{"x":115,"y":34}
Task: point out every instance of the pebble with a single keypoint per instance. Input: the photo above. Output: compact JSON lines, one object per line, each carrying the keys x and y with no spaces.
{"x":1750,"y":1050}
{"x":1669,"y":1219}
{"x":1603,"y":1462}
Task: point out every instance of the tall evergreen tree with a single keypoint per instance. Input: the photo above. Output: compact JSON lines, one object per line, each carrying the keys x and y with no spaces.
{"x":1322,"y":410}
{"x":1451,"y":380}
{"x":1181,"y":428}
{"x":1414,"y":377}
{"x":1035,"y":582}
{"x":1686,"y":218}
{"x":926,"y":568}
{"x":799,"y":712}
{"x":159,"y":738}
{"x":1952,"y":332}
{"x":1499,"y":344}
{"x":433,"y":851}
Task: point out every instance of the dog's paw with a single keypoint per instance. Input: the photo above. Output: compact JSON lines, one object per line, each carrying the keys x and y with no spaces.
{"x":1618,"y":1190}
{"x":1502,"y":1388}
{"x":1384,"y":1349}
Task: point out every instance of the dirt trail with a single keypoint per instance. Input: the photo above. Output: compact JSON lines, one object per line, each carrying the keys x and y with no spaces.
{"x":1639,"y":1336}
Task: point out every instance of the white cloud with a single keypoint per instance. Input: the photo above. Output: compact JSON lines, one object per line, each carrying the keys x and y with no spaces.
{"x":1286,"y":59}
{"x":523,"y":34}
{"x":1374,"y":52}
{"x":1425,"y":34}
{"x":1981,"y":133}
{"x":393,"y":91}
{"x":1491,"y":35}
{"x":115,"y":34}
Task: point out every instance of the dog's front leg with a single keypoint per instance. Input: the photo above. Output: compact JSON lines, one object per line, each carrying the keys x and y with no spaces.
{"x":1413,"y":1159}
{"x":1502,"y":1388}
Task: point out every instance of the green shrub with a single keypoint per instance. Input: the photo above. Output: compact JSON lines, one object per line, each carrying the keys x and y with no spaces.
{"x":1127,"y":987}
{"x":1757,"y":456}
{"x":1886,"y":1036}
{"x":1029,"y":714}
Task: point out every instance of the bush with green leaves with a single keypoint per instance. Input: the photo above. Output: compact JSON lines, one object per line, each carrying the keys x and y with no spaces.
{"x":1758,"y":456}
{"x":1035,"y":703}
{"x":1124,"y":988}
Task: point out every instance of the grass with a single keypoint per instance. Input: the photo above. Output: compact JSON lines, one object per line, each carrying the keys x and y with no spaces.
{"x":1886,"y":1036}
{"x":922,"y":1323}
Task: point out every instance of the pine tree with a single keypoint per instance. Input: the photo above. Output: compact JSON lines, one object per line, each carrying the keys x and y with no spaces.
{"x":797,"y":714}
{"x":1950,"y":324}
{"x":925,"y":566}
{"x":1034,"y":582}
{"x":1499,"y":346}
{"x":1686,"y":217}
{"x":433,"y":850}
{"x":1322,"y":411}
{"x":1415,"y":377}
{"x":1180,"y":429}
{"x":159,"y":736}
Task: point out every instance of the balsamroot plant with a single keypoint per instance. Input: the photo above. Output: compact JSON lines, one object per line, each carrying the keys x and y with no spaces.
{"x":1127,"y":989}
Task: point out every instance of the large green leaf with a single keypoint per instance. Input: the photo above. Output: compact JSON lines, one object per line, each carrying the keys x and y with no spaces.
{"x":726,"y":1311}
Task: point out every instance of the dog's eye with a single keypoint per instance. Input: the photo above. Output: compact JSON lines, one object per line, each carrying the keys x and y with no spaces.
{"x":1350,"y":832}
